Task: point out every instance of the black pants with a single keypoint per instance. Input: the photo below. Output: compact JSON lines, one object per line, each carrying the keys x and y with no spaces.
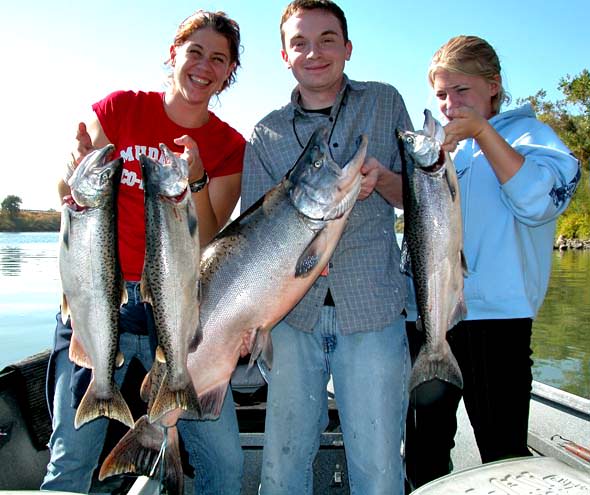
{"x":494,"y":357}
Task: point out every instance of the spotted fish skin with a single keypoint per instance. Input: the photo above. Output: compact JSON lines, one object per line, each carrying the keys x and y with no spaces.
{"x":170,"y":278}
{"x":93,"y":288}
{"x":432,"y":249}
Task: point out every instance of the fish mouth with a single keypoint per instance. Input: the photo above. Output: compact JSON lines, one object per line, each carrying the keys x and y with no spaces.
{"x":321,"y":190}
{"x":168,"y":179}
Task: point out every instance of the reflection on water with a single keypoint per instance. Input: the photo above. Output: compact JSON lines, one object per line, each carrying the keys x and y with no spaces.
{"x":30,"y":293}
{"x":561,"y":332}
{"x":10,"y":260}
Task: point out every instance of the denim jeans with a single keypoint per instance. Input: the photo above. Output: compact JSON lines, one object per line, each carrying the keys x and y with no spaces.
{"x":370,"y":373}
{"x":213,"y":446}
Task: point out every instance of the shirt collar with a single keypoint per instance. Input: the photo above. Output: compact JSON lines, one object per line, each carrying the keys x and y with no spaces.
{"x":347,"y":84}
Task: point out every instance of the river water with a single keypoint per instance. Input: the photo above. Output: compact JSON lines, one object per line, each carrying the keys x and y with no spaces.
{"x":30,"y":297}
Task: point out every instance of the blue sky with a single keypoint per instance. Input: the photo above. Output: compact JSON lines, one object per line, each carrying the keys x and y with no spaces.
{"x":59,"y":57}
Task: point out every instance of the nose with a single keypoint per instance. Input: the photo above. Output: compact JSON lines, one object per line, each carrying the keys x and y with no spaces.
{"x":314,"y":50}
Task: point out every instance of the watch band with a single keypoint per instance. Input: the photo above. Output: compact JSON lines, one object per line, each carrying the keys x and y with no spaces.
{"x":199,"y":184}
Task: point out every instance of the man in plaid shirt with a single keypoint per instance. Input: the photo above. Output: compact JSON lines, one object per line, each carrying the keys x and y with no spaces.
{"x":350,"y":324}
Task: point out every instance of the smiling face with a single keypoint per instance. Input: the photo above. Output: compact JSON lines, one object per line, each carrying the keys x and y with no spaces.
{"x":453,"y":89}
{"x":316,"y":51}
{"x":201,"y":66}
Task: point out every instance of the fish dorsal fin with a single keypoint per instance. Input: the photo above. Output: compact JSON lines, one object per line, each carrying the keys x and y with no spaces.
{"x":452,"y":188}
{"x":262,"y":348}
{"x":464,"y":265}
{"x":311,"y":255}
{"x":160,"y":356}
{"x":77,"y":353}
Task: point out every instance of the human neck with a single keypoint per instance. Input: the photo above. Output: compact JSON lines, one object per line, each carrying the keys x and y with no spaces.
{"x":315,"y":100}
{"x":184,"y":113}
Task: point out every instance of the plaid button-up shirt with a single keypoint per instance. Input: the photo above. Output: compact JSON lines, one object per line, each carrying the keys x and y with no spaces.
{"x":364,"y":276}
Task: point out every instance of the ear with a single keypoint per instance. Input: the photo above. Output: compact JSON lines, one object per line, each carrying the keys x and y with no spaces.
{"x":348,"y":50}
{"x":172,"y":55}
{"x":495,"y":85}
{"x":285,"y":57}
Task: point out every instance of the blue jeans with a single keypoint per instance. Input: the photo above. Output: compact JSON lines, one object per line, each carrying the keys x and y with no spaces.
{"x":370,"y":374}
{"x":213,"y":446}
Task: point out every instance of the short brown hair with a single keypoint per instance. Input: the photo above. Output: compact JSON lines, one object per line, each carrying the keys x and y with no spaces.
{"x":326,"y":5}
{"x":472,"y":56}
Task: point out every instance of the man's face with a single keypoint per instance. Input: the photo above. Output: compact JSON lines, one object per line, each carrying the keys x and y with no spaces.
{"x":314,"y":48}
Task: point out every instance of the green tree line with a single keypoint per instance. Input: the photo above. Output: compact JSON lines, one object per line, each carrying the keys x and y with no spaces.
{"x":570,"y":119}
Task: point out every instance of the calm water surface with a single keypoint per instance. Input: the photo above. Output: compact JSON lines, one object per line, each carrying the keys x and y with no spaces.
{"x":30,"y":296}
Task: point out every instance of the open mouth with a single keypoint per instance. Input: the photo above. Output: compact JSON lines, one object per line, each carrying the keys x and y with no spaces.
{"x":199,"y":81}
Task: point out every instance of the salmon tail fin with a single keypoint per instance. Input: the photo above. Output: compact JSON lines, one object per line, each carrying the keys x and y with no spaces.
{"x":92,"y":407}
{"x":443,"y":367}
{"x":134,"y":452}
{"x":262,"y":348}
{"x":167,"y":400}
{"x":212,"y":401}
{"x":173,"y":474}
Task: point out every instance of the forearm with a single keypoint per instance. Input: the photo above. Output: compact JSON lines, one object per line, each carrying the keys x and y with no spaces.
{"x":208,"y":223}
{"x":504,"y":160}
{"x":389,"y":185}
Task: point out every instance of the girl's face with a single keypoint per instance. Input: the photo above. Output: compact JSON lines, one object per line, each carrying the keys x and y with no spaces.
{"x":454,"y":90}
{"x":201,"y":65}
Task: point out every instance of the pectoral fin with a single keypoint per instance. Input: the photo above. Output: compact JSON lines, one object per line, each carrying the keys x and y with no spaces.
{"x":312,"y":255}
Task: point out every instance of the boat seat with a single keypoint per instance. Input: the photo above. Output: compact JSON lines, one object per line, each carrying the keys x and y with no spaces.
{"x":27,"y":379}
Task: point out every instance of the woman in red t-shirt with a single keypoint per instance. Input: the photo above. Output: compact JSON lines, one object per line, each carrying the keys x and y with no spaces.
{"x":203,"y":59}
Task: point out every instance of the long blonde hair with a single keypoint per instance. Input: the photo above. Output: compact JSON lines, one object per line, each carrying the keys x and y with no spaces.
{"x":472,"y":56}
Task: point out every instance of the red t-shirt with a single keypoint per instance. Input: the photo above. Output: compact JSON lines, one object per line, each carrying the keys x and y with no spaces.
{"x":136,"y":123}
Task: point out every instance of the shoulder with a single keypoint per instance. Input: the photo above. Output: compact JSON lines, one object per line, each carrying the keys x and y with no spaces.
{"x":375,"y":88}
{"x":127,"y":99}
{"x":225,"y":131}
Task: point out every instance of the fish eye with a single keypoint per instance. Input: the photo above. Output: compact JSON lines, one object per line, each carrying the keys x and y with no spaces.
{"x":317,"y":163}
{"x":411,"y":139}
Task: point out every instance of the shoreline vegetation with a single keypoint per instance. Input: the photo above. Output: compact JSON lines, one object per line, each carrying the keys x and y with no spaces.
{"x":49,"y":221}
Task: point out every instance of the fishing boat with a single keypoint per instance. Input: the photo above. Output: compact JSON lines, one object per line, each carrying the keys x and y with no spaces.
{"x":559,"y":430}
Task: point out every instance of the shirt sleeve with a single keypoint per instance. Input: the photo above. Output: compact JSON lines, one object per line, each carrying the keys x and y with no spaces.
{"x":402,"y":121}
{"x":109,"y":111}
{"x":256,"y":177}
{"x":233,"y":162}
{"x":543,"y":187}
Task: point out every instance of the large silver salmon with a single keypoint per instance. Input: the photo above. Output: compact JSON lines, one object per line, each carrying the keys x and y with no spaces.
{"x":432,"y":250}
{"x":252,"y":274}
{"x":170,"y":278}
{"x":93,"y":289}
{"x":257,"y":269}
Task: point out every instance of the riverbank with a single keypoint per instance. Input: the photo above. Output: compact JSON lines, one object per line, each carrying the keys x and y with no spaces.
{"x":563,"y":244}
{"x":30,"y":221}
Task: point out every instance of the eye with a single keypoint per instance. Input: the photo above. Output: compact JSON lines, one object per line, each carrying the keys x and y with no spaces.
{"x":317,"y":163}
{"x":410,"y":139}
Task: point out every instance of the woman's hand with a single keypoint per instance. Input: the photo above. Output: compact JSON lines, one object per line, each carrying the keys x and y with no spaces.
{"x":464,"y":123}
{"x":192,"y":156}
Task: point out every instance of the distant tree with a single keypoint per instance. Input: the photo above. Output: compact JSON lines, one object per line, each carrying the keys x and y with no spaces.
{"x":11,"y":205}
{"x":570,"y":119}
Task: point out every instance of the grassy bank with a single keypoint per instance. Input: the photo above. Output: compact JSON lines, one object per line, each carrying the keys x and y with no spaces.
{"x":30,"y":221}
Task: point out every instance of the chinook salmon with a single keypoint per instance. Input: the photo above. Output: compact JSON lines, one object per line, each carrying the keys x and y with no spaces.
{"x":170,"y":278}
{"x":252,"y":274}
{"x":93,"y":288}
{"x":432,"y":250}
{"x":257,"y":269}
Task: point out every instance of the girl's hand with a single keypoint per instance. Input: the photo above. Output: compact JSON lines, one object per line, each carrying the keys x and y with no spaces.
{"x":192,"y":156}
{"x":464,"y":123}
